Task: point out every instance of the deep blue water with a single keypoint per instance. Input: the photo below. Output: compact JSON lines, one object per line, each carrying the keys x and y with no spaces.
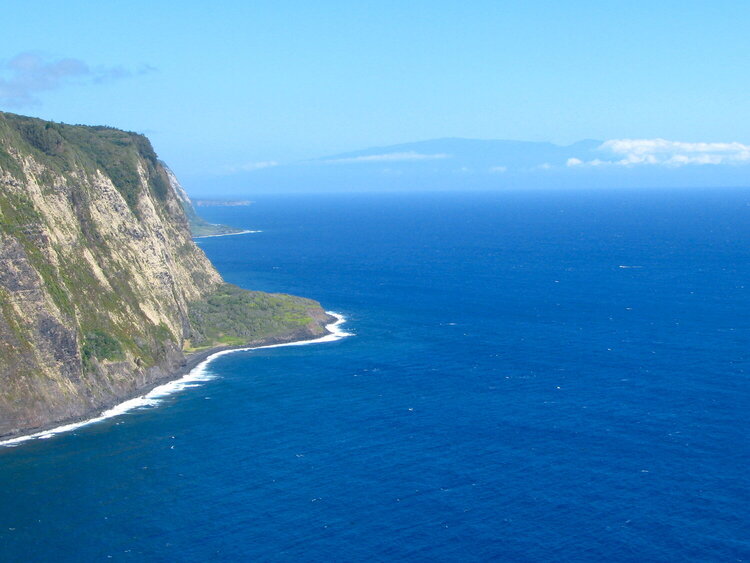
{"x":546,"y":376}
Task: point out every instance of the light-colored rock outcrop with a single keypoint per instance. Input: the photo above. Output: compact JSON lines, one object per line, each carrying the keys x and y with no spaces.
{"x":97,"y":270}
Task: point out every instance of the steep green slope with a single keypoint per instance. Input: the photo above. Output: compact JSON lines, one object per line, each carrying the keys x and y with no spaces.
{"x":233,"y":316}
{"x":101,"y":286}
{"x":198,"y":225}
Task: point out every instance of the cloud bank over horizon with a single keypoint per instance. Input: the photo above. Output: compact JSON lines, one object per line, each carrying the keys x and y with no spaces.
{"x":28,"y":74}
{"x":463,"y":164}
{"x":633,"y":152}
{"x":595,"y":154}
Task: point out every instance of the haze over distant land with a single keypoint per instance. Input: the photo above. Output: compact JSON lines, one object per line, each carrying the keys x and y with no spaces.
{"x":228,"y":94}
{"x":472,"y":164}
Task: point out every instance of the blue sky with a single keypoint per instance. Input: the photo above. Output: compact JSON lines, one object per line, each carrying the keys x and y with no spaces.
{"x":221,"y":86}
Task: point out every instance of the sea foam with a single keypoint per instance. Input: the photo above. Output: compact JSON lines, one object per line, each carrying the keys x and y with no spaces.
{"x":194,"y":378}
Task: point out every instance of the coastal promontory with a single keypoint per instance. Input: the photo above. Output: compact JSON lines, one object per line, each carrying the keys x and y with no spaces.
{"x":103,"y":292}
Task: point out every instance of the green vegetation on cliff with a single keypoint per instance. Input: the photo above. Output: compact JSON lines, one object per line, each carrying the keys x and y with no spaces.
{"x":231,"y":316}
{"x":199,"y":227}
{"x":65,"y":148}
{"x":102,"y":289}
{"x":48,"y":196}
{"x":102,"y":346}
{"x":202,"y":228}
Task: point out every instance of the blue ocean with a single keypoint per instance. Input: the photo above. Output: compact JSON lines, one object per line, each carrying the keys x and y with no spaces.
{"x":532,"y":376}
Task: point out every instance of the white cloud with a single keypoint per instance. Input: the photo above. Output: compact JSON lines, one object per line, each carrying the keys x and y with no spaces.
{"x":390,"y":157}
{"x":660,"y":152}
{"x":27,"y":74}
{"x":498,"y":169}
{"x":258,"y":165}
{"x":596,"y":162}
{"x":250,"y":166}
{"x":674,"y":153}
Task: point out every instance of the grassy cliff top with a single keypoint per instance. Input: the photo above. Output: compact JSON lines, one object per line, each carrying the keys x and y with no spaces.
{"x":232,"y":316}
{"x":65,"y":148}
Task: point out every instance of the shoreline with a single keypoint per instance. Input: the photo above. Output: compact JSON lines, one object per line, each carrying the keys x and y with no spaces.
{"x":246,"y":232}
{"x":192,"y":372}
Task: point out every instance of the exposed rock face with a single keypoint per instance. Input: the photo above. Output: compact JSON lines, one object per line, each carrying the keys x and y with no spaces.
{"x":98,"y":271}
{"x":198,"y":226}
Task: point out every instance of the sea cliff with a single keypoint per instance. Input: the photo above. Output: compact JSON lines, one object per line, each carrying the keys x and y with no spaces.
{"x":102,"y":290}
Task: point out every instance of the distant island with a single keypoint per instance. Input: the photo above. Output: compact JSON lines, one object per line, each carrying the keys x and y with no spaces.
{"x":103,"y":292}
